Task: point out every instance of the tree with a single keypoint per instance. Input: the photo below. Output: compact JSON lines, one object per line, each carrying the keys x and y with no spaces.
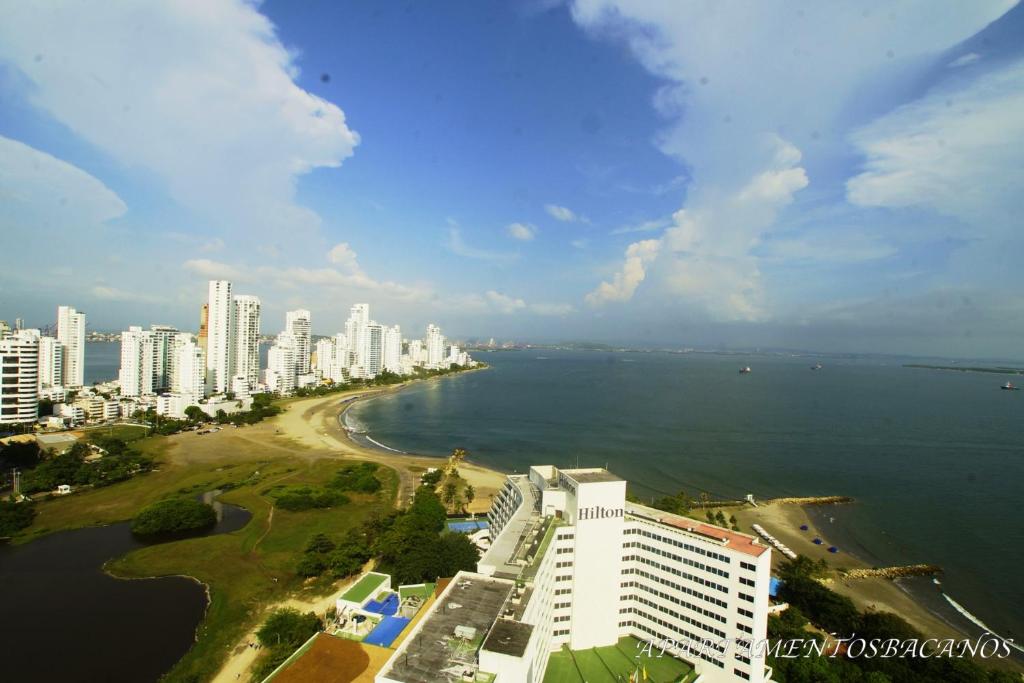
{"x":469,"y":493}
{"x":195,"y":414}
{"x":175,"y":517}
{"x":320,"y":544}
{"x":451,"y":490}
{"x":457,"y":554}
{"x":15,"y":516}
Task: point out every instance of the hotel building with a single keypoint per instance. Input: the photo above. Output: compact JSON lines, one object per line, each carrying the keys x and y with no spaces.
{"x":573,"y":563}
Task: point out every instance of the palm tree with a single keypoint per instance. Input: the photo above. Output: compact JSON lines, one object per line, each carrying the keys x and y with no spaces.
{"x":450,"y":491}
{"x":469,"y":493}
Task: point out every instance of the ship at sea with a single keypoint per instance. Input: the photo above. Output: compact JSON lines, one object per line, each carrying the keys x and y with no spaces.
{"x":816,"y":366}
{"x":1009,"y":387}
{"x":744,"y":370}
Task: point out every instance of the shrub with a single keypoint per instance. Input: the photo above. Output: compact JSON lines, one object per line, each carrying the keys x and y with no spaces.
{"x":176,"y":517}
{"x":15,"y":516}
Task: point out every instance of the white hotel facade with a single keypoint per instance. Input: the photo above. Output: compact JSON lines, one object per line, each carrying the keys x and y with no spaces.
{"x":573,"y":563}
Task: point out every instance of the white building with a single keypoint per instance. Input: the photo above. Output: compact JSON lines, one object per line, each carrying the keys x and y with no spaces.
{"x":572,"y":563}
{"x":246,"y":339}
{"x":71,"y":334}
{"x":281,"y":365}
{"x":220,"y":326}
{"x":373,"y":354}
{"x":392,"y":349}
{"x":435,"y":347}
{"x":299,"y":324}
{"x":19,"y":377}
{"x":51,"y":363}
{"x":189,"y":376}
{"x":136,"y":353}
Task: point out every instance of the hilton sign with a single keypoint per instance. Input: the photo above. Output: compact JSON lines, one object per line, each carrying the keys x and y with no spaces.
{"x":598,"y":512}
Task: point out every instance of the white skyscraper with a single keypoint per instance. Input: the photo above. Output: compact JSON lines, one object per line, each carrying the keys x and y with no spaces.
{"x":219,"y":337}
{"x":324,"y":355}
{"x":162,"y":339}
{"x":299,"y":324}
{"x":374,"y":349}
{"x":189,"y":378}
{"x":51,"y":363}
{"x":19,"y":377}
{"x":281,"y":364}
{"x":355,"y":334}
{"x":247,"y":339}
{"x":133,"y":377}
{"x":393,"y":349}
{"x":71,"y":334}
{"x":435,"y":344}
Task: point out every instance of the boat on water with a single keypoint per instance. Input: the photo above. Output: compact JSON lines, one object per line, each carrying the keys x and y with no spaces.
{"x":745,"y":370}
{"x":816,"y":366}
{"x":1009,"y":387}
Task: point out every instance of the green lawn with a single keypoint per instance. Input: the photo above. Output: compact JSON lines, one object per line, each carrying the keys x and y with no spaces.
{"x":364,"y":587}
{"x":424,"y":591}
{"x":613,"y":663}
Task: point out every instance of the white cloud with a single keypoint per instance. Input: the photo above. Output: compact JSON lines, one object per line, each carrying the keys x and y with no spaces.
{"x":564,"y":214}
{"x":964,"y":60}
{"x":105,"y":293}
{"x":827,"y":249}
{"x":552,"y":309}
{"x":457,"y":245}
{"x":343,"y":255}
{"x":199,"y":94}
{"x":633,"y":272}
{"x":215,"y":270}
{"x":522,"y":231}
{"x":39,"y":192}
{"x":958,"y":151}
{"x":653,"y":225}
{"x":503,"y":303}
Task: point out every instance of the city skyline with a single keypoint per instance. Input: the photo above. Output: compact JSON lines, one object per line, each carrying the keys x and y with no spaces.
{"x":844,"y":182}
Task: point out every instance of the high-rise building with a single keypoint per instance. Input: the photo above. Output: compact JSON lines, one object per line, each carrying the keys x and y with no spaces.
{"x":71,"y":333}
{"x":148,"y":358}
{"x":204,"y":326}
{"x":281,"y":365}
{"x":299,"y":324}
{"x":573,"y":564}
{"x":393,"y":349}
{"x":324,"y":351}
{"x":373,"y":354}
{"x":355,"y":335}
{"x":19,"y":377}
{"x":5,"y":329}
{"x":435,"y":343}
{"x":220,"y":326}
{"x":247,"y":339}
{"x":51,"y":363}
{"x":189,"y":378}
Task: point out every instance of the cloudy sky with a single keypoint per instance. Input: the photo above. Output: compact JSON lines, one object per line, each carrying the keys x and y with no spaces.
{"x":826,"y":176}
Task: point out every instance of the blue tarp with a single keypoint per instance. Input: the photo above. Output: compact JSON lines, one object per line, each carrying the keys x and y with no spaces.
{"x":773,"y":587}
{"x":386,"y":631}
{"x":389,"y":606}
{"x":468,"y":526}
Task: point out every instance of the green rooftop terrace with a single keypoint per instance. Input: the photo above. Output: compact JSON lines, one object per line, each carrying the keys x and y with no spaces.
{"x":364,"y":588}
{"x":615,"y":663}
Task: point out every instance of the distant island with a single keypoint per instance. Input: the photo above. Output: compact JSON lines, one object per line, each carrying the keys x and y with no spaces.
{"x":999,"y":370}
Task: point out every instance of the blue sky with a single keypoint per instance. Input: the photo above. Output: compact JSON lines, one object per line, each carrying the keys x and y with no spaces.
{"x":689,"y":173}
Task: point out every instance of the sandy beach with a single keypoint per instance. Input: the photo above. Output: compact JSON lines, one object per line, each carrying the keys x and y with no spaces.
{"x":784,"y":521}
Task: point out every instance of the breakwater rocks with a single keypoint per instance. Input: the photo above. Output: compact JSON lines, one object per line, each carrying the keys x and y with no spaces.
{"x":894,"y":572}
{"x":811,"y":500}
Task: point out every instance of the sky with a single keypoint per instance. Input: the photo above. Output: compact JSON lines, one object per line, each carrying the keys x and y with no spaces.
{"x":828,"y":176}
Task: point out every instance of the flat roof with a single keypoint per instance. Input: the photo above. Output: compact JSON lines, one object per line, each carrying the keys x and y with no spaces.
{"x":591,"y":475}
{"x":364,"y":587}
{"x":470,"y":600}
{"x":502,"y":551}
{"x":56,"y":438}
{"x":508,"y":637}
{"x":731,"y":540}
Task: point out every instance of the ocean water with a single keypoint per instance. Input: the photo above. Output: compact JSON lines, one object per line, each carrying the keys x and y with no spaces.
{"x":934,"y":459}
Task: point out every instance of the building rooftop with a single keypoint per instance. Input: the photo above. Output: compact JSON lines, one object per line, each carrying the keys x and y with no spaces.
{"x":502,"y":553}
{"x":508,"y":638}
{"x":591,"y":475}
{"x":731,"y":540}
{"x":444,"y":645}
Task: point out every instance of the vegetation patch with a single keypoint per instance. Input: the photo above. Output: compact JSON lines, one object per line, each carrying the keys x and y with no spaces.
{"x":281,"y":634}
{"x":15,"y":516}
{"x":174,"y":518}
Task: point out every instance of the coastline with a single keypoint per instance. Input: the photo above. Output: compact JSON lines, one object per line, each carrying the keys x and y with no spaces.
{"x":923,"y":604}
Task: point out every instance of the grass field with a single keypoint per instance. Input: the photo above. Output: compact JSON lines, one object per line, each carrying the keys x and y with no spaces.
{"x":244,"y":570}
{"x":613,"y":663}
{"x":364,"y":588}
